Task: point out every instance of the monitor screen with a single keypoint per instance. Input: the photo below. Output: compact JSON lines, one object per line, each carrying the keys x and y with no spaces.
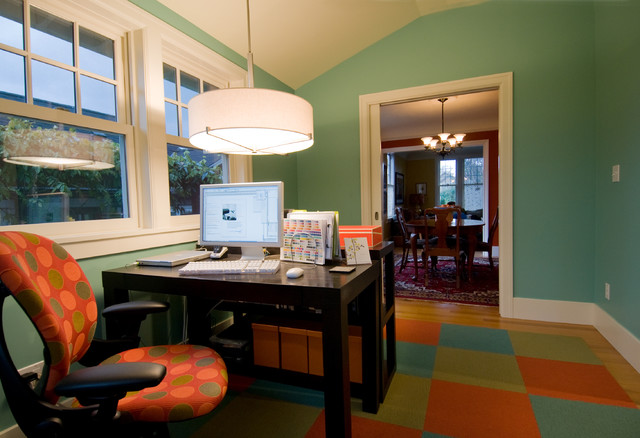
{"x":245,"y":215}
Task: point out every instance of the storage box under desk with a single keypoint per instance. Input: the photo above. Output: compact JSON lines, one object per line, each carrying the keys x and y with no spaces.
{"x":266,"y":345}
{"x":300,"y":348}
{"x":355,"y":353}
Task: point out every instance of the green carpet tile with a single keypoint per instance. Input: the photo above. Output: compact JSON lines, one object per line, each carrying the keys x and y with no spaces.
{"x":451,"y":381}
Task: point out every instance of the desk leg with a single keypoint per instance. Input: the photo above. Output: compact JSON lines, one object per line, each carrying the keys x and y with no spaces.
{"x":113,"y":295}
{"x":198,"y":325}
{"x":370,"y":300}
{"x":337,"y":390}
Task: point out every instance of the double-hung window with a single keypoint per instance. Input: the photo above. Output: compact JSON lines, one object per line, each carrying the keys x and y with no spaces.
{"x":63,"y":132}
{"x":188,"y":166}
{"x":461,"y":180}
{"x":76,"y":77}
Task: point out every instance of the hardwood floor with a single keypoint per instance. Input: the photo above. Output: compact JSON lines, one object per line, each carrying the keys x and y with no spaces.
{"x":620,"y":369}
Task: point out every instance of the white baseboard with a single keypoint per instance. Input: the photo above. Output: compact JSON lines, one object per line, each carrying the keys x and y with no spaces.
{"x":12,"y":432}
{"x":622,"y":339}
{"x":572,"y":312}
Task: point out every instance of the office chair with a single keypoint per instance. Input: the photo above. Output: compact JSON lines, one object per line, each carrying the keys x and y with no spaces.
{"x":131,"y":393}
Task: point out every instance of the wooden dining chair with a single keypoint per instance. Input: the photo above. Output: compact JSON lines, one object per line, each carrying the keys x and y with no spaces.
{"x":442,"y":240}
{"x":406,"y":238}
{"x":488,"y":245}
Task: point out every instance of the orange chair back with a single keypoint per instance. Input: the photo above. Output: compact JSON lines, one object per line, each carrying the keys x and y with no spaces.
{"x":50,"y":286}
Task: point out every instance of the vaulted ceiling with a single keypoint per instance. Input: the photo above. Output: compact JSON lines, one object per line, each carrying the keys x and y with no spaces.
{"x":298,"y":40}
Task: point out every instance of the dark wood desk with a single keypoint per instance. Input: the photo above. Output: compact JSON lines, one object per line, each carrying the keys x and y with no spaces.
{"x":317,"y":288}
{"x":469,"y":228}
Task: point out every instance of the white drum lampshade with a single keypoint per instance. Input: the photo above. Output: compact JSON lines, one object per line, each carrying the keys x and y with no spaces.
{"x":250,"y":121}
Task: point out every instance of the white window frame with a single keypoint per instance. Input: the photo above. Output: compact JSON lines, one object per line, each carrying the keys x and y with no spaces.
{"x":143,"y":40}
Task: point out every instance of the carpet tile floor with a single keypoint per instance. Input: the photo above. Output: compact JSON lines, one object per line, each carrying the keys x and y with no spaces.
{"x":451,"y":381}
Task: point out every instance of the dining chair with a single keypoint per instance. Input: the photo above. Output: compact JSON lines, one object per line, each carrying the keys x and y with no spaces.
{"x":135,"y":392}
{"x":488,"y":245}
{"x":406,"y":238}
{"x":443,"y":240}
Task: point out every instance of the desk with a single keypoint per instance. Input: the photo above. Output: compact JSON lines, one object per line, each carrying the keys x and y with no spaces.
{"x":469,"y":228}
{"x":317,"y":288}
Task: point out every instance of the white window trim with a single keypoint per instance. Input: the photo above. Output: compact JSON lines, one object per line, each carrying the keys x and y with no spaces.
{"x":144,"y":39}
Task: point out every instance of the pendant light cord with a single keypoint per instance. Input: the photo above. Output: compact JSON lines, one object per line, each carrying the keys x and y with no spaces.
{"x":250,"y":54}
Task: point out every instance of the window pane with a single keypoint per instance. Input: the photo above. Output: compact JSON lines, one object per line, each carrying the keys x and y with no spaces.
{"x":96,"y":53}
{"x":473,"y":197}
{"x":51,"y":36}
{"x":53,"y":87}
{"x":32,"y":194}
{"x":171,"y":118}
{"x":188,"y":168}
{"x":447,"y":194}
{"x":98,"y":98}
{"x":189,"y":87}
{"x":185,"y":122}
{"x":473,"y":171}
{"x":12,"y":23}
{"x":170,"y":90}
{"x":473,"y":184}
{"x":12,"y":77}
{"x":447,"y":181}
{"x":208,"y":87}
{"x":447,"y":172}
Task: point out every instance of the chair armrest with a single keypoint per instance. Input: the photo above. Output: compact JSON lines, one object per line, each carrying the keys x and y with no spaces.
{"x":135,"y":309}
{"x":95,"y":384}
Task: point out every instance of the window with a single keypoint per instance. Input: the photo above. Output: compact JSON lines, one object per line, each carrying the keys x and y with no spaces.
{"x":87,"y":71}
{"x":70,"y":71}
{"x":389,"y":185}
{"x":473,"y":187}
{"x":468,"y":191}
{"x":188,"y":167}
{"x":447,"y":181}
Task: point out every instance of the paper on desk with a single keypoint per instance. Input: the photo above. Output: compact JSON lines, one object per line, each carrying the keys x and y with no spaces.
{"x":357,"y":250}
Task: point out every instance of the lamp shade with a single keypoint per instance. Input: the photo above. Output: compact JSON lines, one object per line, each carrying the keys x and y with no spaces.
{"x":250,"y":121}
{"x":57,"y":148}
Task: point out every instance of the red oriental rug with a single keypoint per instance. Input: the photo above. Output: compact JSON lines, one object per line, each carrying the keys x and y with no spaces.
{"x":482,"y":290}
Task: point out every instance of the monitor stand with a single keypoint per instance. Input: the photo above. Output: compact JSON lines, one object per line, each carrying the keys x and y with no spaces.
{"x":252,"y":253}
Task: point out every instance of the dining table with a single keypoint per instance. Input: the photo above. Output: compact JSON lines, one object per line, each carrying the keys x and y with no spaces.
{"x":469,"y":229}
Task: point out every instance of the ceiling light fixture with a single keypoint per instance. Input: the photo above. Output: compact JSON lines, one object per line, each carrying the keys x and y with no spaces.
{"x":444,"y":144}
{"x":250,"y":121}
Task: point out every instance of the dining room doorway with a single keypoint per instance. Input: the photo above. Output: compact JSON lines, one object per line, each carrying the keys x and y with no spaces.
{"x":371,"y":162}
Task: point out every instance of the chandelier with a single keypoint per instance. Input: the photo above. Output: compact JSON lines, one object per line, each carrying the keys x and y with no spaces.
{"x":443,"y":144}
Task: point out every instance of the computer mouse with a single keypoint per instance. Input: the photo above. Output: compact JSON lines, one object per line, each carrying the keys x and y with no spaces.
{"x":295,"y":272}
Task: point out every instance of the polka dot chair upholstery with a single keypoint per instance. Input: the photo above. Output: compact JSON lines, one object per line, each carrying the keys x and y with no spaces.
{"x":54,"y":292}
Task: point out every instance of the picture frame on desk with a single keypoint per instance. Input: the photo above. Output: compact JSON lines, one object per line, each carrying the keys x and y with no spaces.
{"x":399,"y":188}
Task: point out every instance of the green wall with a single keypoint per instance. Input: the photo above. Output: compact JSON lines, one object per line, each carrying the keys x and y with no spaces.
{"x":550,"y":48}
{"x":575,"y":87}
{"x":617,"y":131}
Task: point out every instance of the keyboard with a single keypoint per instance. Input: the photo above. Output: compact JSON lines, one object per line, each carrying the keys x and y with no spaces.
{"x":269,"y":266}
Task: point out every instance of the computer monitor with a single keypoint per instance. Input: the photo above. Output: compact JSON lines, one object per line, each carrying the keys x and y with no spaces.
{"x":245,"y":215}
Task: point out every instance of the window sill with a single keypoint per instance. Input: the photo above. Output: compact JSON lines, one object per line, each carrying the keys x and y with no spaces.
{"x":116,"y":242}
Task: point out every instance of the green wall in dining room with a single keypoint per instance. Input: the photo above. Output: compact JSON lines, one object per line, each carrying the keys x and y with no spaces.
{"x":617,"y":210}
{"x":549,"y":47}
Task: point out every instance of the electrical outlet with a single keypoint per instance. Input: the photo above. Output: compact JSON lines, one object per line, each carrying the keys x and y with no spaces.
{"x":615,"y":173}
{"x":33,"y":368}
{"x":607,"y":291}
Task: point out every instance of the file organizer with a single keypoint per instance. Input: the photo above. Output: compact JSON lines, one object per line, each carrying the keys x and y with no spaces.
{"x":311,"y":237}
